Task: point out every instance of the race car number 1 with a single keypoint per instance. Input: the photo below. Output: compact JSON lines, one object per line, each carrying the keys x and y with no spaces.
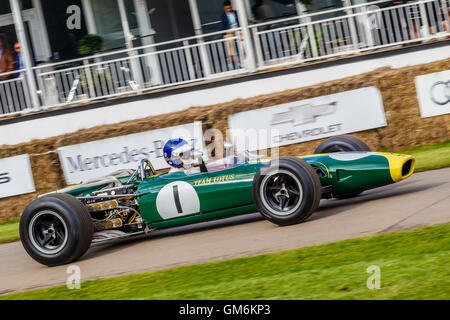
{"x":176,"y":199}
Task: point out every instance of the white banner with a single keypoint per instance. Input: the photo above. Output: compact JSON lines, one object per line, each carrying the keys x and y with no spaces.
{"x":16,"y":176}
{"x":433,"y":93}
{"x":309,"y":119}
{"x":103,"y":157}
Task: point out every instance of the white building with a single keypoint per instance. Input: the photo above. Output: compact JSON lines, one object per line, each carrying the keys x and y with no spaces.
{"x":152,"y":44}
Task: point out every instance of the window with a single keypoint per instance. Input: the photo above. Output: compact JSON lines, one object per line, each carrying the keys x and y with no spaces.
{"x":108,"y":23}
{"x":272,"y":9}
{"x":171,"y":19}
{"x":210,"y":12}
{"x":5,"y":8}
{"x":324,"y":5}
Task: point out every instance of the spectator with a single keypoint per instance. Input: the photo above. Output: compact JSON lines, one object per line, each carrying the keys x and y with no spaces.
{"x":229,"y":17}
{"x":19,"y":59}
{"x":7,"y":62}
{"x":414,"y":15}
{"x":229,"y":22}
{"x":444,"y":15}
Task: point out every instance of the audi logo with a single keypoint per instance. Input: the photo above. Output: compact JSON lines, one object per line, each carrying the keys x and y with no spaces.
{"x":440,"y":92}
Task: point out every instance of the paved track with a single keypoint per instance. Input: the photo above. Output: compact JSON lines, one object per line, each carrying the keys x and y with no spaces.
{"x":423,"y":199}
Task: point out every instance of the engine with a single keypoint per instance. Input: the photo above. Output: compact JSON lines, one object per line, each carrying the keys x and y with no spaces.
{"x":115,"y":208}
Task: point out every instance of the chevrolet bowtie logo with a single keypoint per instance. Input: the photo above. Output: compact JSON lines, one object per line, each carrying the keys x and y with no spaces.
{"x":302,"y":114}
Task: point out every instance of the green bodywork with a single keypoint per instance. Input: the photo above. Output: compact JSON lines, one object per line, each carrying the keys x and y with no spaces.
{"x":227,"y":192}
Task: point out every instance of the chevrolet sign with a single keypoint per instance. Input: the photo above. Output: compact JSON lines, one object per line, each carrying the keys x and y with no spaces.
{"x":302,"y":114}
{"x":309,"y":119}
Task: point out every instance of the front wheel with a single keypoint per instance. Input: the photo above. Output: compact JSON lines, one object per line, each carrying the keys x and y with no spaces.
{"x":56,"y":229}
{"x":342,"y":143}
{"x":287,"y":191}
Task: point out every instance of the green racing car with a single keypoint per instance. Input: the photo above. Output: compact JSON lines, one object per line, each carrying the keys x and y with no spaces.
{"x":58,"y":228}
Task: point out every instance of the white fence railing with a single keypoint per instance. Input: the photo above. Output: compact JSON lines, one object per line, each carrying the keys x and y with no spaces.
{"x":288,"y":41}
{"x":127,"y":71}
{"x":14,"y":95}
{"x":352,"y":30}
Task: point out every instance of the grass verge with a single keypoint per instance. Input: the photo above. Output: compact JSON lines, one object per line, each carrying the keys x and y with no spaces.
{"x":9,"y":232}
{"x":413,"y":264}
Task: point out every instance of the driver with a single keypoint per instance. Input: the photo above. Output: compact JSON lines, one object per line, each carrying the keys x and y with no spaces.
{"x":177,"y":153}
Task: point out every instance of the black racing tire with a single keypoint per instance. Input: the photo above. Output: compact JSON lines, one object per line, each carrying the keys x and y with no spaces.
{"x":291,"y":176}
{"x":342,"y":143}
{"x":56,"y":229}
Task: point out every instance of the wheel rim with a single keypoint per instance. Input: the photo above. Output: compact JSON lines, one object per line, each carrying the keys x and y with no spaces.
{"x":48,"y":232}
{"x":281,"y":192}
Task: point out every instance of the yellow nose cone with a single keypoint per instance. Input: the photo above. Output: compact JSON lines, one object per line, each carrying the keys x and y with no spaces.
{"x":401,"y":166}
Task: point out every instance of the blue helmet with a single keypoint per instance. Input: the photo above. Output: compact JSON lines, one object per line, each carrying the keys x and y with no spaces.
{"x":169,"y":148}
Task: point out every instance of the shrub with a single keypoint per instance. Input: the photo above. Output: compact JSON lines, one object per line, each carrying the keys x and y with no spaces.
{"x":90,"y":44}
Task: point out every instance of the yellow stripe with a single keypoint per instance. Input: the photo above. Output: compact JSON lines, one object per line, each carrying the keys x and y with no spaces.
{"x":245,"y":174}
{"x":328,"y":171}
{"x":314,"y":155}
{"x":260,"y":160}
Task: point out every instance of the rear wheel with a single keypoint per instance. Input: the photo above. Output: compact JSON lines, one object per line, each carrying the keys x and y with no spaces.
{"x":287,"y":191}
{"x":341,"y":144}
{"x":56,"y":229}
